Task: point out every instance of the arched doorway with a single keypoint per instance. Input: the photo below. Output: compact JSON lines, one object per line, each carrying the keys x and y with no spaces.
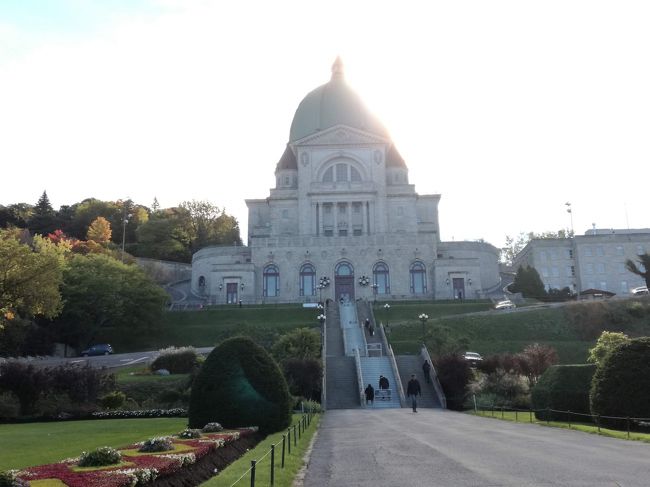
{"x":344,"y":281}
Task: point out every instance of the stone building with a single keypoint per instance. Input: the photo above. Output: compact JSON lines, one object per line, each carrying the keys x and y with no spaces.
{"x":595,"y":260}
{"x":343,"y":221}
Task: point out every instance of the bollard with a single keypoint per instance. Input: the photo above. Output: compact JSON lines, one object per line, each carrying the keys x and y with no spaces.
{"x":284,"y":441}
{"x":516,"y":416}
{"x":628,"y":427}
{"x":531,"y":415}
{"x":253,"y":463}
{"x":289,"y":433}
{"x":568,"y":418}
{"x":502,"y":416}
{"x":272,"y":464}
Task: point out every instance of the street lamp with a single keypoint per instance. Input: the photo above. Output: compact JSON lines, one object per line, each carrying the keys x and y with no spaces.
{"x":570,"y":212}
{"x":374,"y":290}
{"x":321,"y":319}
{"x":423,"y":319}
{"x":387,"y":308}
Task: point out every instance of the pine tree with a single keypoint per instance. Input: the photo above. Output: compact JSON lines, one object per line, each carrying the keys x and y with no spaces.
{"x":43,"y":206}
{"x":44,"y":219}
{"x":155,"y":205}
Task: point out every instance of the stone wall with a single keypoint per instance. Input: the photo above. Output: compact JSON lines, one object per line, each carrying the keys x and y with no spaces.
{"x":164,"y":271}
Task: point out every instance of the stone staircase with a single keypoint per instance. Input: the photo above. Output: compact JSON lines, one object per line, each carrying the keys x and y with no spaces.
{"x":371,"y":369}
{"x":412,"y":364}
{"x":341,"y":374}
{"x":363,"y":312}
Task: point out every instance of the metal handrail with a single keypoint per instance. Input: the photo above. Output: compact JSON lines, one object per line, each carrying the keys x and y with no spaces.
{"x":345,"y":340}
{"x":363,"y":333}
{"x":362,"y":395}
{"x":323,"y":395}
{"x":393,"y":365}
{"x":424,"y":353}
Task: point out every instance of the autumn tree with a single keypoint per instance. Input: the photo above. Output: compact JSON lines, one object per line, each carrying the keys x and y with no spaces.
{"x":99,"y":231}
{"x":534,"y":360}
{"x":643,"y":269}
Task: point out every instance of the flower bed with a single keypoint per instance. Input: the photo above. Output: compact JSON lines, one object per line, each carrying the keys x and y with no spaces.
{"x":142,"y":468}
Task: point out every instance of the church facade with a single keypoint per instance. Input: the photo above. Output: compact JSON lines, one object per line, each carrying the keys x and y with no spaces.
{"x":343,"y":221}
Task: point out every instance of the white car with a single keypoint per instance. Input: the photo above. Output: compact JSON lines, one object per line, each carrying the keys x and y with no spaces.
{"x":473,"y":358}
{"x":507,"y":304}
{"x":639,"y":291}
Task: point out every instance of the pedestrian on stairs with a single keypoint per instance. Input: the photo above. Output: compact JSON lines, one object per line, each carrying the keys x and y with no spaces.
{"x":412,"y":391}
{"x":426,"y":368}
{"x":383,"y":382}
{"x":370,"y":394}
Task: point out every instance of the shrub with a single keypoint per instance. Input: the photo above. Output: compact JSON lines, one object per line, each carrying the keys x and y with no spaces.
{"x":312,"y":406}
{"x":454,"y":374}
{"x":304,"y":377}
{"x":147,"y":413}
{"x":9,"y":479}
{"x":301,"y":343}
{"x":607,"y":342}
{"x":145,"y":390}
{"x":621,"y":384}
{"x":81,"y":384}
{"x":161,"y":443}
{"x":182,"y":360}
{"x":100,"y":457}
{"x":212,"y":428}
{"x":240,"y":385}
{"x":188,"y":434}
{"x":534,"y":360}
{"x":113,"y":400}
{"x":26,"y":382}
{"x":564,"y":388}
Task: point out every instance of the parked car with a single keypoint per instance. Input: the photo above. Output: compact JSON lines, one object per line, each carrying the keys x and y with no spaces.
{"x":99,"y":349}
{"x":506,"y":304}
{"x":640,"y":291}
{"x":473,"y":358}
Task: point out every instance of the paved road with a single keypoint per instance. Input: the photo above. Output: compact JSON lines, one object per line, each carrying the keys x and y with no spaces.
{"x":398,"y":448}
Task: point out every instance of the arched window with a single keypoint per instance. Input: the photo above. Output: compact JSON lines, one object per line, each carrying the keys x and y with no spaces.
{"x":271,"y":280}
{"x":341,"y":172}
{"x":328,"y":177}
{"x":418,"y":278}
{"x":201,"y":281}
{"x":381,"y":278}
{"x":307,"y":280}
{"x":344,"y":269}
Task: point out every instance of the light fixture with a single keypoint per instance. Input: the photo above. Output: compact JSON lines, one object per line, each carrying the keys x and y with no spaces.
{"x":447,"y":281}
{"x":469,"y":281}
{"x":242,"y":286}
{"x":220,"y":287}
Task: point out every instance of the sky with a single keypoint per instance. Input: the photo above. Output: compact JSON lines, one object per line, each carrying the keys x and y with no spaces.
{"x":508,"y":109}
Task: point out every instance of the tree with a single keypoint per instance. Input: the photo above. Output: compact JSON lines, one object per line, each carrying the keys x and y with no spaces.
{"x":99,"y":231}
{"x":29,"y":280}
{"x":162,"y":238}
{"x":514,"y":245}
{"x":607,"y":342}
{"x":642,"y":270}
{"x":528,"y":283}
{"x":454,"y":374}
{"x":43,"y":219}
{"x":99,"y":291}
{"x":206,"y":224}
{"x":535,"y":359}
{"x":301,"y":343}
{"x":15,"y":215}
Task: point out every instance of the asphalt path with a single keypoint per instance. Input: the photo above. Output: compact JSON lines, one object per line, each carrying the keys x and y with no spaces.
{"x":397,"y":447}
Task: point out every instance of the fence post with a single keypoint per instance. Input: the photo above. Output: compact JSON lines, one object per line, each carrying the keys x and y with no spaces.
{"x":598,"y":422}
{"x":568,"y":417}
{"x":253,"y":463}
{"x":502,"y":408}
{"x":295,"y":439}
{"x":628,"y":427}
{"x":516,"y":416}
{"x":272,"y":464}
{"x":548,"y":415}
{"x":531,"y":414}
{"x":284,"y":441}
{"x":299,"y":428}
{"x":289,"y":433}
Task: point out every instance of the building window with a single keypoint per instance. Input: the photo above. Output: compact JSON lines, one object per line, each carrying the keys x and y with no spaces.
{"x":341,"y":172}
{"x":640,"y":250}
{"x":600,"y":251}
{"x":327,"y":208}
{"x":381,"y":278}
{"x":355,"y":176}
{"x":418,"y":278}
{"x":569,"y":253}
{"x":544,"y":272}
{"x":620,"y":250}
{"x":589,"y":268}
{"x":603,"y":286}
{"x":621,"y":268}
{"x":588,"y":251}
{"x":285,"y":213}
{"x":573,"y":270}
{"x":307,"y":280}
{"x":328,"y":232}
{"x":271,"y":281}
{"x":328,"y":177}
{"x":553,"y":254}
{"x":600,"y":267}
{"x":357,"y":232}
{"x":344,"y":269}
{"x":555,"y":271}
{"x":591,"y":285}
{"x":343,"y":233}
{"x":624,"y":288}
{"x":201,"y":281}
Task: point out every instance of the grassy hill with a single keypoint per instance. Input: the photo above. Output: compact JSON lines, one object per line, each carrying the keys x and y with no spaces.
{"x":570,"y":329}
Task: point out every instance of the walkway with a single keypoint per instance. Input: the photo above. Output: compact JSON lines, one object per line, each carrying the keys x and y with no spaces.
{"x":396,"y":447}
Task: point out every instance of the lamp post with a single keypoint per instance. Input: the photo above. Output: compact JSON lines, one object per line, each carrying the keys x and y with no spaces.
{"x":570,"y":212}
{"x":374,"y":291}
{"x":387,"y":308}
{"x":423,"y":319}
{"x":323,"y":282}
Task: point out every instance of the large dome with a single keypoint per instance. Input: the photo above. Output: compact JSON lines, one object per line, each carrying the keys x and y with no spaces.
{"x":331,"y":104}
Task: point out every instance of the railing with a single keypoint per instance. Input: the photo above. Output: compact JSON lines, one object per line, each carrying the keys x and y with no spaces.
{"x":624,"y":424}
{"x":373,"y":347}
{"x":299,"y":429}
{"x":393,"y":365}
{"x":424,"y":353}
{"x":362,"y":394}
{"x":345,"y":340}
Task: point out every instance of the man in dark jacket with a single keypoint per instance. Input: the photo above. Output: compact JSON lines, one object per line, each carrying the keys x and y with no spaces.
{"x":370,"y":394}
{"x":426,"y":368}
{"x":412,"y":391}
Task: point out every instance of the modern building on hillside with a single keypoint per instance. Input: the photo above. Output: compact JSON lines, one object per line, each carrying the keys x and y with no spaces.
{"x":595,"y":260}
{"x":343,"y":221}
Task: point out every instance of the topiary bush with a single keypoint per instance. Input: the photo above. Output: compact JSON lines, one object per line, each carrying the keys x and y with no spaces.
{"x":621,"y":384}
{"x":212,"y":428}
{"x":182,"y":360}
{"x":100,"y":457}
{"x":564,"y":388}
{"x":240,"y":385}
{"x":188,"y":434}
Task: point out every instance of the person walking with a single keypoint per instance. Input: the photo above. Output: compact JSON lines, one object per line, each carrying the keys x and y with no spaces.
{"x":412,"y":391}
{"x":370,"y":394}
{"x":426,"y":368}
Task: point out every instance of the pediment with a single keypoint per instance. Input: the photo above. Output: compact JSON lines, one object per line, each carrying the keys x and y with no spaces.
{"x":341,"y":135}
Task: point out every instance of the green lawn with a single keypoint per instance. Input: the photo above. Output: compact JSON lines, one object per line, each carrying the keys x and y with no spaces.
{"x":526,"y":417}
{"x":283,"y":477}
{"x":25,"y":445}
{"x":209,"y":327}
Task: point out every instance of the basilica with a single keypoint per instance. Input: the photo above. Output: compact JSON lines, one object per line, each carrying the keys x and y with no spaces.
{"x":343,"y":221}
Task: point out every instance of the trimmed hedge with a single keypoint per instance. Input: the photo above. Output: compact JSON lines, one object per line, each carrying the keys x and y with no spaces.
{"x":240,"y":385}
{"x":564,"y":388}
{"x":181,"y":360}
{"x":621,"y":385}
